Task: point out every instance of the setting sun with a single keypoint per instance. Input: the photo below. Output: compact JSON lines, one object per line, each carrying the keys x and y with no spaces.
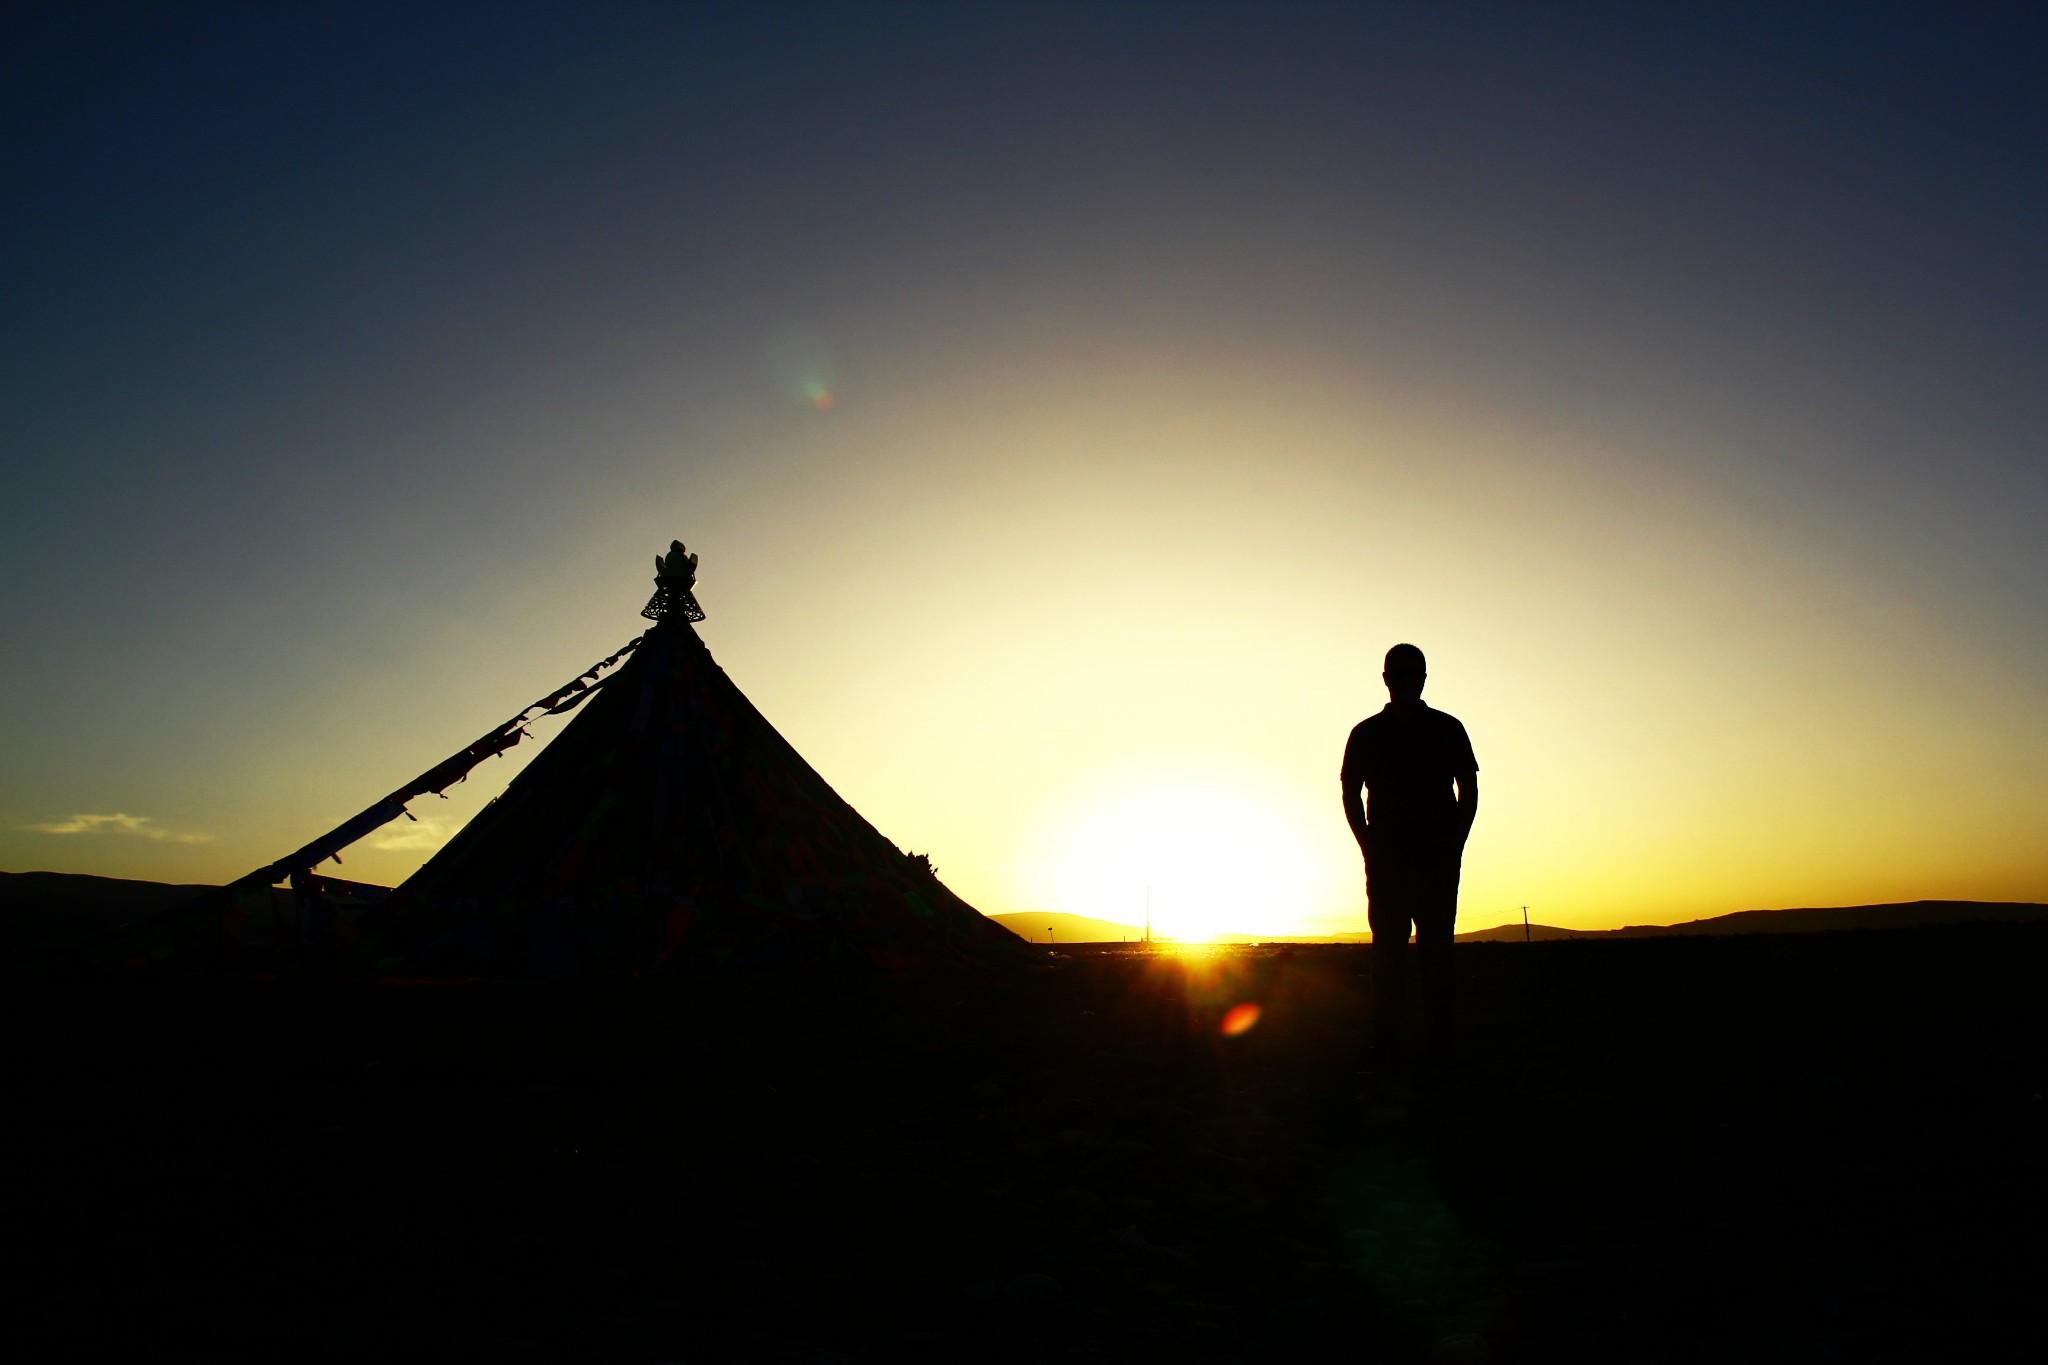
{"x":1211,"y":850}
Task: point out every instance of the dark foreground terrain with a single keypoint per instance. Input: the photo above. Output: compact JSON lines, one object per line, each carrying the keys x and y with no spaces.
{"x":1810,"y":1148}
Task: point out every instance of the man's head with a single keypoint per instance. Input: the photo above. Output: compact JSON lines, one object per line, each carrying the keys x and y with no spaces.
{"x":1404,"y":673}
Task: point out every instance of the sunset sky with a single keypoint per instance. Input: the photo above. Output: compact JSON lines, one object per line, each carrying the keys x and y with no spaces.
{"x":1070,"y":405}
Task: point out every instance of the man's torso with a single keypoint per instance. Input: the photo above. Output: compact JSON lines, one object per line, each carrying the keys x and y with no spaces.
{"x":1407,"y":757}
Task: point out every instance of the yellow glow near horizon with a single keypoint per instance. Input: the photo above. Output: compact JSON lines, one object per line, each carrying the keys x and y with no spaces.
{"x":1122,"y":645}
{"x":1678,"y":711}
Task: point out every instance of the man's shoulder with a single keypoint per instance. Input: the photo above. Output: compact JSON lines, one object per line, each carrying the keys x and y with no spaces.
{"x":1373,"y":725}
{"x":1358,"y":747}
{"x":1452,"y":731}
{"x":1407,"y":720}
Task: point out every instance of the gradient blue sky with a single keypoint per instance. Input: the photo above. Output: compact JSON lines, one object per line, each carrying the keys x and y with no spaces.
{"x":1673,"y":375}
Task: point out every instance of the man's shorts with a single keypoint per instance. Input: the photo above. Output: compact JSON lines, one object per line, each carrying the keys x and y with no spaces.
{"x":1408,"y":889}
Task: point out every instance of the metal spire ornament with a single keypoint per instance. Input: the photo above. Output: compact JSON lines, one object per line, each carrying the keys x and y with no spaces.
{"x":675,"y":575}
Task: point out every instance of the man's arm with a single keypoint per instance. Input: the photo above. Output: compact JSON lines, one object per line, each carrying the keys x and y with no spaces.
{"x":1468,"y":804}
{"x":1354,"y":812}
{"x":1352,"y":775}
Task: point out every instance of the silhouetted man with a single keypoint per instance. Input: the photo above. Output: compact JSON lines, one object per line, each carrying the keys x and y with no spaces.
{"x":1422,"y":790}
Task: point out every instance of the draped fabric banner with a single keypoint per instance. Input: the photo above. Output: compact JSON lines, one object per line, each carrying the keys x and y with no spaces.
{"x":438,"y":778}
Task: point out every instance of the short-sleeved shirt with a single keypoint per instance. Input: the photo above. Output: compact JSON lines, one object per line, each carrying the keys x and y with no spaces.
{"x":1407,"y":757}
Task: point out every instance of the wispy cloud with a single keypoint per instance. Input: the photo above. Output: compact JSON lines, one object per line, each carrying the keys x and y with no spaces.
{"x":138,"y":826}
{"x":423,"y":833}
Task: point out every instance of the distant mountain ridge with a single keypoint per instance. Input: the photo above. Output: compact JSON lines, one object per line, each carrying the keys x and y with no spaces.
{"x":1056,"y":927}
{"x":43,"y":913}
{"x":1805,"y":920}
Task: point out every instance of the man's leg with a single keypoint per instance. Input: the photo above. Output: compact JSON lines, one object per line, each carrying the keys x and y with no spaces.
{"x":1389,"y":911}
{"x":1436,"y":927}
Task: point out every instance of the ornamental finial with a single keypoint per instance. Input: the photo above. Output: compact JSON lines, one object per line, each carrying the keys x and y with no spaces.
{"x":675,"y":576}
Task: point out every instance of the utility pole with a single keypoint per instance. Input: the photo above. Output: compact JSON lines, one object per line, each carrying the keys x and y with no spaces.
{"x":1525,"y":925}
{"x":1148,"y":912}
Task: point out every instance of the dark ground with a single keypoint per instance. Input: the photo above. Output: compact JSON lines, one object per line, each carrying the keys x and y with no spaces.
{"x":1801,"y":1148}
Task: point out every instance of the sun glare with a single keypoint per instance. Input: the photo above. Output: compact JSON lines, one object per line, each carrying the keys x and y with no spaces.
{"x":1209,"y":852}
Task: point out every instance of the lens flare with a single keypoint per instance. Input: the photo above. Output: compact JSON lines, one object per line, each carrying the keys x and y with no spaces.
{"x":803,"y":363}
{"x":1239,"y":1020}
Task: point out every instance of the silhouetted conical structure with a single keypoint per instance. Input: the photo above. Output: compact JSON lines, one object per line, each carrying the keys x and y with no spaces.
{"x":670,"y":825}
{"x":667,"y":828}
